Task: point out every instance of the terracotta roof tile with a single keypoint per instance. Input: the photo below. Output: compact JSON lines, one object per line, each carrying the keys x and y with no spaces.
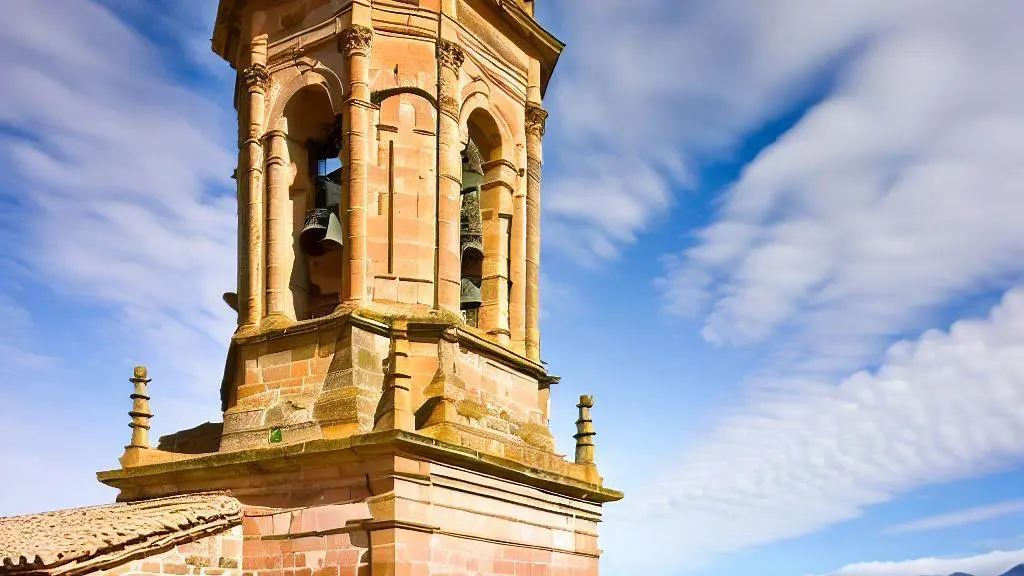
{"x":85,"y":539}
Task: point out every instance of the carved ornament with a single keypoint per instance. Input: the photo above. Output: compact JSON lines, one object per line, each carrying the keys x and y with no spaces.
{"x":450,"y":54}
{"x":256,"y":76}
{"x":536,"y":117}
{"x":355,"y":39}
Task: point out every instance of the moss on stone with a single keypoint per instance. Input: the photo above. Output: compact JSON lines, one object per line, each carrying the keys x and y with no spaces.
{"x":471,"y":409}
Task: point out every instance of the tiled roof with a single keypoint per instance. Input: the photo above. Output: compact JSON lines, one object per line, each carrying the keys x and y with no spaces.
{"x":78,"y":540}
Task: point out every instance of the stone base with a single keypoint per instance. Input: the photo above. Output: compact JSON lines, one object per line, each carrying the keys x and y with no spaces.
{"x":392,"y":503}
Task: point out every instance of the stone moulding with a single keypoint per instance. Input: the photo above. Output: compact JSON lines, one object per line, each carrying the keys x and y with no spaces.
{"x":83,"y":540}
{"x":559,"y":480}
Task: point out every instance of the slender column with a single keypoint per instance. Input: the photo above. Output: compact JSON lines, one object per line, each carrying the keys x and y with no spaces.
{"x":279,"y":250}
{"x":517,"y":268}
{"x":535,"y":118}
{"x":449,"y":59}
{"x":140,"y":409}
{"x":496,"y":201}
{"x":250,"y":182}
{"x":355,"y":42}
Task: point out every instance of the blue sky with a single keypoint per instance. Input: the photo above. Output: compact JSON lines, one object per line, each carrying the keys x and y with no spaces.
{"x":781,"y":247}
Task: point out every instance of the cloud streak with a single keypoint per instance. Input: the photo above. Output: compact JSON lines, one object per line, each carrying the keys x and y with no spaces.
{"x":796,"y":460}
{"x":990,"y":564}
{"x":961,"y":517}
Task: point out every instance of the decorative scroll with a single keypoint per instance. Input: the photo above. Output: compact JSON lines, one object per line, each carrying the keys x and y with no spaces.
{"x":355,"y":39}
{"x":450,"y":54}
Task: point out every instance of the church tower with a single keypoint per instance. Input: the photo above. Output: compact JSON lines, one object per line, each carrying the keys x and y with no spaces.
{"x":385,"y":409}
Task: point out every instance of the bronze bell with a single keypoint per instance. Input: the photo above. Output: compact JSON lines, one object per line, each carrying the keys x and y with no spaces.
{"x":321,"y":232}
{"x":470,"y":297}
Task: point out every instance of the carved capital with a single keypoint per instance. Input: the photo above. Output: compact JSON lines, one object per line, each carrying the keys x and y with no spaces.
{"x":450,"y":54}
{"x":356,"y":39}
{"x":256,"y":77}
{"x":536,"y":117}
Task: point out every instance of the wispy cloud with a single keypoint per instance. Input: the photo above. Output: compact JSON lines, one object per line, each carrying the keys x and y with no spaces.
{"x":115,"y":195}
{"x":890,"y":197}
{"x":990,"y":564}
{"x":796,"y":459}
{"x":961,"y":517}
{"x":113,"y":162}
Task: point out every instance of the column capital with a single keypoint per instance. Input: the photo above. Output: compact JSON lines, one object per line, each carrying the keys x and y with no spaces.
{"x":356,"y":39}
{"x":536,"y":117}
{"x":257,"y":77}
{"x":449,"y":54}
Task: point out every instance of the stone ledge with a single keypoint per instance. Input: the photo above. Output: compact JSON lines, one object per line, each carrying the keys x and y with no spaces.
{"x":356,"y":448}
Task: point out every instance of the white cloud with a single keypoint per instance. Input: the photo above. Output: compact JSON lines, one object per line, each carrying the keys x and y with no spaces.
{"x":892,"y":196}
{"x":990,"y":564}
{"x":112,"y":162}
{"x":797,"y":459}
{"x":114,"y":194}
{"x":961,"y":517}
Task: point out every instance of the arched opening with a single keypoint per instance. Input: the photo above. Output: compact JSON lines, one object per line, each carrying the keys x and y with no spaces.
{"x":484,"y":232}
{"x":471,"y":235}
{"x":315,"y":191}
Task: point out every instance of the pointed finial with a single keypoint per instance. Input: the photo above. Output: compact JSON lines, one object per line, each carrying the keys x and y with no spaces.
{"x":140,"y":409}
{"x":585,"y":432}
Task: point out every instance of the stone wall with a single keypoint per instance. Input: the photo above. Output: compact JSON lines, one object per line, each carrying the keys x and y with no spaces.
{"x":326,"y":381}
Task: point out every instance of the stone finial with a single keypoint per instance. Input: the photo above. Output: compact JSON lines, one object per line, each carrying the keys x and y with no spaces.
{"x":585,"y":432}
{"x":140,"y":409}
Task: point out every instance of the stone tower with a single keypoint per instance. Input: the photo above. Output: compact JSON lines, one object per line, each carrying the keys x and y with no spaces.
{"x":383,"y":394}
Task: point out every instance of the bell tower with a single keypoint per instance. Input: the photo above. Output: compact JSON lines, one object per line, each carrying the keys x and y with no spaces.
{"x":388,"y":344}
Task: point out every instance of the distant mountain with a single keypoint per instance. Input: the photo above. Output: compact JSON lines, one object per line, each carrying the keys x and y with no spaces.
{"x":1017,"y":570}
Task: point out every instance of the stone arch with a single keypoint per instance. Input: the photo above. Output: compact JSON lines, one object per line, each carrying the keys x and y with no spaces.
{"x":489,"y":131}
{"x":316,"y":75}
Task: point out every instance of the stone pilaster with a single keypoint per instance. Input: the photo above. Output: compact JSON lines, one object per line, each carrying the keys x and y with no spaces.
{"x":279,"y":236}
{"x":449,"y":60}
{"x":250,"y":183}
{"x":395,"y":408}
{"x":535,"y":119}
{"x":356,"y":43}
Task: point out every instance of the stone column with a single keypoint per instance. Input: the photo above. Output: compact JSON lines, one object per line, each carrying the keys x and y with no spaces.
{"x":535,"y":118}
{"x":449,"y":60}
{"x":250,"y":182}
{"x":517,"y":266}
{"x":279,"y":237}
{"x":496,"y":201}
{"x":355,"y":42}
